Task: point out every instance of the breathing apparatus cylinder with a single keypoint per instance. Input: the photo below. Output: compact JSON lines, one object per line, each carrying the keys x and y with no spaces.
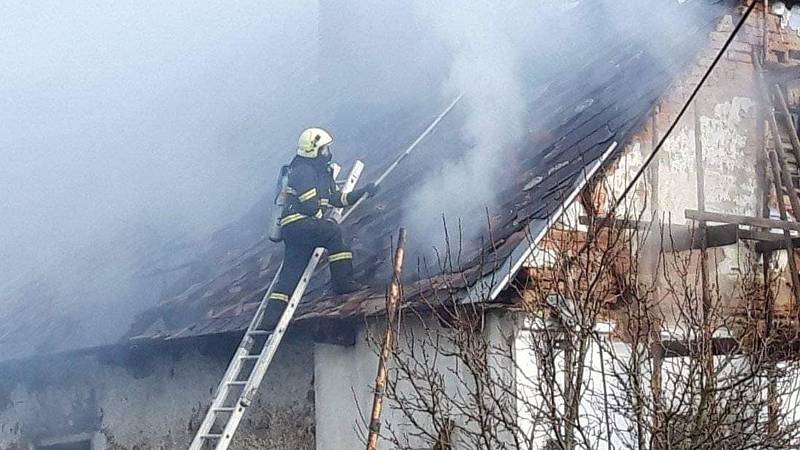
{"x":281,"y":199}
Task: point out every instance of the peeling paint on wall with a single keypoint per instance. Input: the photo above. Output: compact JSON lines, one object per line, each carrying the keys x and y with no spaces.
{"x":677,"y":177}
{"x":729,"y":163}
{"x":618,"y":180}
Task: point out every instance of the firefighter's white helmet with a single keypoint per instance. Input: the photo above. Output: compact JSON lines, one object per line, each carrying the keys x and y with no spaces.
{"x":311,"y":140}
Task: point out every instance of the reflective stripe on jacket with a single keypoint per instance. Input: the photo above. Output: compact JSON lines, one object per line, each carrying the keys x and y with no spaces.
{"x":314,"y":189}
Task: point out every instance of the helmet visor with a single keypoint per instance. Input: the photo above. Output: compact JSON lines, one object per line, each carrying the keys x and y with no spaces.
{"x":325,"y":152}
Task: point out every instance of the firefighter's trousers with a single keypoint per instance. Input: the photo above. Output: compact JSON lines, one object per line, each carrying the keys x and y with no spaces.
{"x":300,"y":239}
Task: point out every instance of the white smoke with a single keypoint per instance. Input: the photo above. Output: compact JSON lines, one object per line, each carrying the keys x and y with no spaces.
{"x":503,"y":54}
{"x":488,"y":42}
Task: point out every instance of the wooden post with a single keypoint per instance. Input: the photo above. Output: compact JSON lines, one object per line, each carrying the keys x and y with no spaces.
{"x":654,"y":166}
{"x":708,"y":338}
{"x":657,"y":355}
{"x":764,"y":164}
{"x":765,"y":33}
{"x":392,"y":299}
{"x":701,"y":206}
{"x":773,"y":403}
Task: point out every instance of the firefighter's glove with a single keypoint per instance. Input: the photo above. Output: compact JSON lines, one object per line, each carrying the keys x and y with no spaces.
{"x":370,"y":189}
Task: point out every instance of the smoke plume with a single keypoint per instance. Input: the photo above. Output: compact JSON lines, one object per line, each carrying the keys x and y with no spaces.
{"x":502,"y":56}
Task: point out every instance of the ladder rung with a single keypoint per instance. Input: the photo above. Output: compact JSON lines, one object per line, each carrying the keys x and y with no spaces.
{"x":225,"y":409}
{"x":259,"y":332}
{"x":211,"y":436}
{"x":236,"y":383}
{"x":250,"y":357}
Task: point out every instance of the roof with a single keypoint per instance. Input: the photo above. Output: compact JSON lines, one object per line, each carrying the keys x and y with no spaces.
{"x":590,"y":114}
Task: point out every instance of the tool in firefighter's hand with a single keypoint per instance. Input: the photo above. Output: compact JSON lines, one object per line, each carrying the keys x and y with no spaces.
{"x":281,"y":199}
{"x":407,"y":152}
{"x":371,"y":189}
{"x":348,"y":186}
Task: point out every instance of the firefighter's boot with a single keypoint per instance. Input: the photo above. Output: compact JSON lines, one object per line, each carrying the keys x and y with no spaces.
{"x":274,"y":311}
{"x":342,"y":276}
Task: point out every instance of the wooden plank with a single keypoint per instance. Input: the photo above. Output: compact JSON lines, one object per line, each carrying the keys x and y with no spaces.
{"x":699,"y":166}
{"x":701,"y":205}
{"x":720,"y":346}
{"x":654,"y":166}
{"x":759,"y":222}
{"x":728,"y":234}
{"x":614,"y":223}
{"x":772,"y":246}
{"x":692,"y":239}
{"x":763,"y":236}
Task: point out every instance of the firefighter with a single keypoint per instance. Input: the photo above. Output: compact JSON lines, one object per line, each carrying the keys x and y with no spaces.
{"x":312,"y":190}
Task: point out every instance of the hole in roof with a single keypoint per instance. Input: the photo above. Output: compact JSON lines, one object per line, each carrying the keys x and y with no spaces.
{"x":585,"y":104}
{"x":557,"y":167}
{"x":532,"y":184}
{"x":556,"y":150}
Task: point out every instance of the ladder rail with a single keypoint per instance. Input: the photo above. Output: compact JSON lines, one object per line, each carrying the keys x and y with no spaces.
{"x":267,"y":353}
{"x":794,"y":139}
{"x":234,"y":367}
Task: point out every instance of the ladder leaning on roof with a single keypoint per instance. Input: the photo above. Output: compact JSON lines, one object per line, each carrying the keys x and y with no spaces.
{"x":241,"y":380}
{"x":240,"y":383}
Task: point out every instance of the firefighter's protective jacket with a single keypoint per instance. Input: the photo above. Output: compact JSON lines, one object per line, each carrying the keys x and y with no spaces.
{"x":312,"y":190}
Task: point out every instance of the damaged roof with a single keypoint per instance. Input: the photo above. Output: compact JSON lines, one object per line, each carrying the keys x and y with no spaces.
{"x":583,"y":114}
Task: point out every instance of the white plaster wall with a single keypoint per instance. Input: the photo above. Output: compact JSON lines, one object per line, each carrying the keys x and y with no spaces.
{"x":676,"y":372}
{"x":345,"y":378}
{"x":344,"y":382}
{"x":789,"y":387}
{"x":342,"y":376}
{"x":677,"y":177}
{"x":618,"y":180}
{"x":727,"y":133}
{"x":530,"y":391}
{"x":729,"y":157}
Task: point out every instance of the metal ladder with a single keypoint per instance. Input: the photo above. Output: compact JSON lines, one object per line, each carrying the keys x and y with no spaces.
{"x":241,"y":384}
